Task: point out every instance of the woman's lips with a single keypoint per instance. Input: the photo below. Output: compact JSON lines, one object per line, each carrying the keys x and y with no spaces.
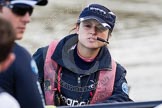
{"x":92,"y":39}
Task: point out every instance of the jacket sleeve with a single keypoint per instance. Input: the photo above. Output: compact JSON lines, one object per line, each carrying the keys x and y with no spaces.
{"x":39,"y":59}
{"x":26,"y":88}
{"x":121,"y":89}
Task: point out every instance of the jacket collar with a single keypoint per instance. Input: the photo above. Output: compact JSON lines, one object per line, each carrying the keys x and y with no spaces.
{"x":63,"y":55}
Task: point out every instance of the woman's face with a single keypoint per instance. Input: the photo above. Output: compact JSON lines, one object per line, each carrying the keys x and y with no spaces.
{"x":88,"y":31}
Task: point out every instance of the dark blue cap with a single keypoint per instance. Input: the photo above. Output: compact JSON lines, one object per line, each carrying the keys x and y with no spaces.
{"x":100,"y":13}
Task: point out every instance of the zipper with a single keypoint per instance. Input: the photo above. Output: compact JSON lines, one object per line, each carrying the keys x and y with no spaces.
{"x":79,"y":80}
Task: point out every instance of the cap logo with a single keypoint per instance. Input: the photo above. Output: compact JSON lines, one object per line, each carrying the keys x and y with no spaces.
{"x":106,"y":25}
{"x":97,"y":9}
{"x":111,"y":13}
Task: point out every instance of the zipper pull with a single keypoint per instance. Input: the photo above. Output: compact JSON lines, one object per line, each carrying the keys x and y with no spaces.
{"x":79,"y":81}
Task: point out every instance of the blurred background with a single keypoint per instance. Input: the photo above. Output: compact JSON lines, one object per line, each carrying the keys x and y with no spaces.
{"x":135,"y":41}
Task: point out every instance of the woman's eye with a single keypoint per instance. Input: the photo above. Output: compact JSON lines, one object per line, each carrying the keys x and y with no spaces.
{"x":100,"y":28}
{"x":87,"y":25}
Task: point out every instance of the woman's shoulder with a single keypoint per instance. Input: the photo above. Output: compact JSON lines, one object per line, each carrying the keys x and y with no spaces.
{"x":40,"y":52}
{"x":39,"y":57}
{"x":120,"y":71}
{"x":120,"y":68}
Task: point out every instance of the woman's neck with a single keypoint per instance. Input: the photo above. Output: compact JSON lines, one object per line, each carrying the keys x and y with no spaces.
{"x":87,"y":53}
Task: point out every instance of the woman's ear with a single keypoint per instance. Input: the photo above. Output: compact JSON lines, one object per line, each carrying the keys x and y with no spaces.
{"x":77,"y":29}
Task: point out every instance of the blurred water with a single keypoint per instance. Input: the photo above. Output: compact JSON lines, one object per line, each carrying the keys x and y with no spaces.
{"x":135,"y":42}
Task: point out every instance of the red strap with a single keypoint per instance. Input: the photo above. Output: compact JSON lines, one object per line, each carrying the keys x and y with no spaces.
{"x":59,"y":80}
{"x":50,"y":68}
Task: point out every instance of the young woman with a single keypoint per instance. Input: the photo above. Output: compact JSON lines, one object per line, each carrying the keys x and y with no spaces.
{"x":78,"y":69}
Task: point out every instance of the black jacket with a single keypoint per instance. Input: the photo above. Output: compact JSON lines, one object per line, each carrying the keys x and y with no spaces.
{"x":74,"y":67}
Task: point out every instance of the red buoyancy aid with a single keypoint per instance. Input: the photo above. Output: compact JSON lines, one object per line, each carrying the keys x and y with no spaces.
{"x":50,"y":68}
{"x":104,"y":87}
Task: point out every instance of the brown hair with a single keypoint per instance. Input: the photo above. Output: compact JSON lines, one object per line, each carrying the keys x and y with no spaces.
{"x":74,"y":28}
{"x":7,"y":37}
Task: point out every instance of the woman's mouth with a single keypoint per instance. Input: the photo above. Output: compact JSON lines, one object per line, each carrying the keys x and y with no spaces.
{"x":92,"y":39}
